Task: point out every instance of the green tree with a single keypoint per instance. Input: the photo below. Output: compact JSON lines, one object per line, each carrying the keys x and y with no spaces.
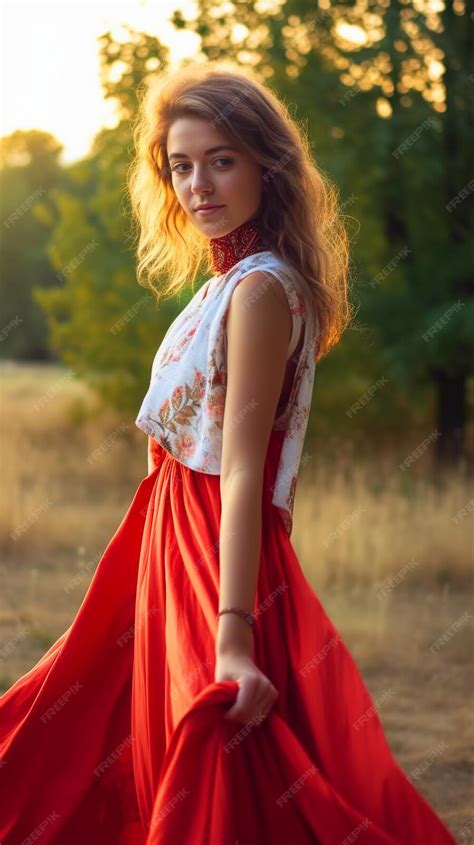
{"x":30,"y":170}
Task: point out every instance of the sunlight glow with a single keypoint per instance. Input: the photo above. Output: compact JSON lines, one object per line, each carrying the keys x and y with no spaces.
{"x":53,"y":83}
{"x":353,"y":34}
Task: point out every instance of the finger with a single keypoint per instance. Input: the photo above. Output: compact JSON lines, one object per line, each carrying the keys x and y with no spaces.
{"x":263,"y":705}
{"x":244,"y":702}
{"x":264,"y":709}
{"x":258,"y":712}
{"x":269,"y":700}
{"x":268,"y":697}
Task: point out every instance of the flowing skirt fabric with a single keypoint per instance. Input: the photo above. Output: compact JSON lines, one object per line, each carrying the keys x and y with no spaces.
{"x":116,"y":736}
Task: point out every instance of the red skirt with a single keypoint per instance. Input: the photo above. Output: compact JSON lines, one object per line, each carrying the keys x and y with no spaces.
{"x":116,"y":736}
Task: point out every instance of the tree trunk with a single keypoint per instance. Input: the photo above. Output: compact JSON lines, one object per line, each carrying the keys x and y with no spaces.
{"x":451,"y":416}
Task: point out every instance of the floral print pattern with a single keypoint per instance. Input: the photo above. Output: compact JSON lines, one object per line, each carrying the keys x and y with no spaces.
{"x":183,"y":408}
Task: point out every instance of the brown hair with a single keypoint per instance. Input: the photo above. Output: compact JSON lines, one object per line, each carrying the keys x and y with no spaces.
{"x":300,"y":218}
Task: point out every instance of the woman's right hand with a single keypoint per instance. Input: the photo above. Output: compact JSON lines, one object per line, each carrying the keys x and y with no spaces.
{"x":256,"y":695}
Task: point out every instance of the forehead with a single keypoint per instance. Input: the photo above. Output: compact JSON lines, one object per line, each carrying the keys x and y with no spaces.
{"x":194,"y":135}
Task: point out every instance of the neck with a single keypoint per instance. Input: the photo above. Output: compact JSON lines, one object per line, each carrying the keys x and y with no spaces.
{"x":242,"y":241}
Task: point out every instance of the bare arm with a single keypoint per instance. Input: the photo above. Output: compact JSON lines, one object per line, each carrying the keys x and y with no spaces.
{"x":259,"y":327}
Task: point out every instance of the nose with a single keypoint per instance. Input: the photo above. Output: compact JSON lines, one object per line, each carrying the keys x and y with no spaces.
{"x":200,"y":184}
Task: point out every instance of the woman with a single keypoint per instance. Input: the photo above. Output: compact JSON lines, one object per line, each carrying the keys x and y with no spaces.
{"x":213,"y":699}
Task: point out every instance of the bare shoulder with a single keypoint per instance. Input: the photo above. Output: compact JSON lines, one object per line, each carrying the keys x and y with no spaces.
{"x":260,"y":285}
{"x":259,"y":298}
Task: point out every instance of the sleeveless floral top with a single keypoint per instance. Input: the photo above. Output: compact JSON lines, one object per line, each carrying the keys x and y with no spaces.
{"x":183,"y":408}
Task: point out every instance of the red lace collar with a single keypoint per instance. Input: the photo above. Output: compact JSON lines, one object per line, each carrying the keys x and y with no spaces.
{"x":242,"y":241}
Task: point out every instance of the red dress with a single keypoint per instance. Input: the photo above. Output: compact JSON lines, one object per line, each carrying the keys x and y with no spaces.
{"x":116,"y":736}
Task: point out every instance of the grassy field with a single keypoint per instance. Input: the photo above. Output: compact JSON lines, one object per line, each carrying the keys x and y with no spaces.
{"x":390,"y":558}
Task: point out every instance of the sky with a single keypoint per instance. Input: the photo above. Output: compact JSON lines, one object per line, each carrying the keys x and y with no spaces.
{"x":50,"y":65}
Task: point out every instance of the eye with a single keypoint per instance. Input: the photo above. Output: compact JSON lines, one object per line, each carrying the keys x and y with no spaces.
{"x":183,"y":163}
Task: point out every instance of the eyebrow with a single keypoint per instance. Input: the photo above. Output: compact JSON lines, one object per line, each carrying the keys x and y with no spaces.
{"x":206,"y":152}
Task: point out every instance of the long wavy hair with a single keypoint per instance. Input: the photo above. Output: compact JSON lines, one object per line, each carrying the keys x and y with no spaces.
{"x":300,"y":216}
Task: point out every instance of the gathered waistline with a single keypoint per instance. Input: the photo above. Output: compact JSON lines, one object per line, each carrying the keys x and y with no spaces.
{"x":158,"y":450}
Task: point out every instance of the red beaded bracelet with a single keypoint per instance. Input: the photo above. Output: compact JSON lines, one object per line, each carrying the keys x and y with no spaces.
{"x":249,"y":617}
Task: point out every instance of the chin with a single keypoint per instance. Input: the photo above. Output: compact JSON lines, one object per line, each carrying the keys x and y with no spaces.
{"x":214,"y":229}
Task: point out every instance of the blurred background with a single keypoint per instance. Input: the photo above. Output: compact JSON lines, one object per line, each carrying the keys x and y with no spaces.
{"x":383,"y":511}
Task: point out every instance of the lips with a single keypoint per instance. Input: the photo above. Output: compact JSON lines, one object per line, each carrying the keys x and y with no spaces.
{"x":205,"y":207}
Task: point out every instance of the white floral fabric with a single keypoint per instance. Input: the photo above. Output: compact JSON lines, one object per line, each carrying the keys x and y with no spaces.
{"x":183,"y":408}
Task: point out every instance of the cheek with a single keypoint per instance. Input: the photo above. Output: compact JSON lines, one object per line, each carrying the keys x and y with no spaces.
{"x":179,"y":190}
{"x":231,"y":181}
{"x":251,"y":179}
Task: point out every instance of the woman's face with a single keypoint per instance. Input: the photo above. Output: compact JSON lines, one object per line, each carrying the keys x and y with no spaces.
{"x":228,"y":178}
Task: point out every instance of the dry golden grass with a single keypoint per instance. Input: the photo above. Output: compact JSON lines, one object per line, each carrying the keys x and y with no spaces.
{"x":388,"y":554}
